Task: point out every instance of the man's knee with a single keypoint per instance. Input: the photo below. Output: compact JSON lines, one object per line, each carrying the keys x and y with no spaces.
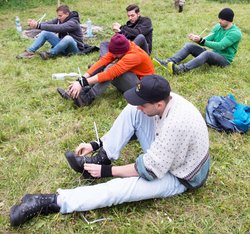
{"x":68,"y":39}
{"x":206,"y":54}
{"x":140,"y":40}
{"x":45,"y":34}
{"x":141,"y":37}
{"x":190,"y":46}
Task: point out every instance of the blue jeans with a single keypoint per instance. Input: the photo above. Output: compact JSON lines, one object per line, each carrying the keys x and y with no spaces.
{"x":120,"y":190}
{"x":65,"y":46}
{"x":201,"y":56}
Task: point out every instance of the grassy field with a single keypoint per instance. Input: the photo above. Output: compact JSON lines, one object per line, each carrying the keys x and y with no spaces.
{"x":37,"y":126}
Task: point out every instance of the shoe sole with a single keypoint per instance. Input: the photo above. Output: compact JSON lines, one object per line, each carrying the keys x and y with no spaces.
{"x":170,"y":68}
{"x":157,"y":63}
{"x":26,"y":57}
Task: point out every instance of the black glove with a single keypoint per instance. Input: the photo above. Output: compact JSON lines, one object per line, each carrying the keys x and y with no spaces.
{"x":83,"y":81}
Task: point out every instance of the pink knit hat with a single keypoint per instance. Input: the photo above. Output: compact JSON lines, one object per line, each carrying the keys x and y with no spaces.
{"x":118,"y":44}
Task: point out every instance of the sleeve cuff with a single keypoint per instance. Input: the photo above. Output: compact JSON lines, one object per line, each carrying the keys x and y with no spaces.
{"x":202,"y":41}
{"x":142,"y":170}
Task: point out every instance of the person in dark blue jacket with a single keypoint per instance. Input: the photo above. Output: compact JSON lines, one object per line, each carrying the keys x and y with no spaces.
{"x":138,"y":29}
{"x":68,"y":41}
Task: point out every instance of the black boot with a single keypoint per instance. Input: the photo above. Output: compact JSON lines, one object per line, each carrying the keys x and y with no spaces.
{"x":32,"y":205}
{"x":77,"y":162}
{"x":63,"y":93}
{"x":85,"y":98}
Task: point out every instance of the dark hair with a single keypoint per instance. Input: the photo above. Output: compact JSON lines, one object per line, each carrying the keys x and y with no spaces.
{"x":63,"y":8}
{"x":133,"y":7}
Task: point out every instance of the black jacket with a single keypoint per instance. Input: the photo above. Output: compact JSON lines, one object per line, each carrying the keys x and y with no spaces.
{"x":71,"y":26}
{"x":142,"y":26}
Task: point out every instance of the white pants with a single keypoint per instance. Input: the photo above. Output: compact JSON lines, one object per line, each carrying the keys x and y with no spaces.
{"x":120,"y":190}
{"x":117,"y":191}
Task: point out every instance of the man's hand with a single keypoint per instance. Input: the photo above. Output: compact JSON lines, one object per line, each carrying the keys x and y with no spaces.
{"x":93,"y":169}
{"x":116,"y":27}
{"x":74,"y":89}
{"x":194,"y":38}
{"x":83,"y":149}
{"x":32,"y":23}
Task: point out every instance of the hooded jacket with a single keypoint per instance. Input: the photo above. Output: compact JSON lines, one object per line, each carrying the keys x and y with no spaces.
{"x":71,"y":26}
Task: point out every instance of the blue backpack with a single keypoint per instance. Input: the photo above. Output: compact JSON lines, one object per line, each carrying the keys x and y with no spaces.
{"x":225,"y":114}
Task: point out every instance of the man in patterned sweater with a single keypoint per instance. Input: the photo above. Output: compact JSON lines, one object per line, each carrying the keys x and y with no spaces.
{"x":175,"y":158}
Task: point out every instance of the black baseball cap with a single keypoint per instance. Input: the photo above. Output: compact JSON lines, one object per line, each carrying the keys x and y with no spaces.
{"x":151,"y":89}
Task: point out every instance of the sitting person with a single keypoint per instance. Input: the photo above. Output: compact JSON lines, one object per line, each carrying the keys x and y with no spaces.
{"x":175,"y":158}
{"x":125,"y":63}
{"x":224,"y":40}
{"x":68,"y":41}
{"x":138,"y":29}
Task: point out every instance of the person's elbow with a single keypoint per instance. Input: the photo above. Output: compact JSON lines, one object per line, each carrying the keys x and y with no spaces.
{"x":142,"y":170}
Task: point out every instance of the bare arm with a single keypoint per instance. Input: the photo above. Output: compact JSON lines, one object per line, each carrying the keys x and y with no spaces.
{"x":124,"y":171}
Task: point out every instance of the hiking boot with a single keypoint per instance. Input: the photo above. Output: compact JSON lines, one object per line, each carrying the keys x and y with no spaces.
{"x":77,"y":162}
{"x":45,"y":55}
{"x":173,"y":68}
{"x":32,"y":205}
{"x":63,"y":93}
{"x":160,"y":63}
{"x":85,"y":98}
{"x":26,"y":55}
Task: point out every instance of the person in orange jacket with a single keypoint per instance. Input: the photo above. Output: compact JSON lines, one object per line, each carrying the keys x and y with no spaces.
{"x":123,"y":66}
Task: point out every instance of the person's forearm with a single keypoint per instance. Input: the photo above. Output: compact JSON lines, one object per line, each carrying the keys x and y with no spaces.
{"x":92,"y":80}
{"x":124,"y":171}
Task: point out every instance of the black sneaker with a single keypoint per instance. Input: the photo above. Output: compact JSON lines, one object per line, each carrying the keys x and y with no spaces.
{"x":160,"y":63}
{"x":63,"y":93}
{"x":77,"y":162}
{"x":32,"y":205}
{"x":45,"y":55}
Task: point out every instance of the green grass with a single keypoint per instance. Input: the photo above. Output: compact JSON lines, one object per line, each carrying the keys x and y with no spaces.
{"x":37,"y":126}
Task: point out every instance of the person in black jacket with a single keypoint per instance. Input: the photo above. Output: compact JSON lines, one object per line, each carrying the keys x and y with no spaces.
{"x":68,"y":41}
{"x":138,"y":29}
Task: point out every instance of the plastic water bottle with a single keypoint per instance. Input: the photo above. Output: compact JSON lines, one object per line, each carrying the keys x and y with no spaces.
{"x":18,"y":25}
{"x":89,"y":28}
{"x":62,"y":76}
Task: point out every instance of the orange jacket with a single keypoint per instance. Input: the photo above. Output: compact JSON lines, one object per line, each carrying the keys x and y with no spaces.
{"x":136,"y":60}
